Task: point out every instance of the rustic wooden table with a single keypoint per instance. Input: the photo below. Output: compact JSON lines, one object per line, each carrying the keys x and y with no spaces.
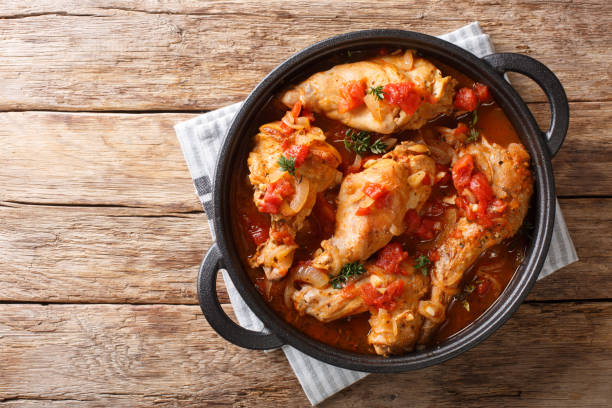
{"x":101,"y":233}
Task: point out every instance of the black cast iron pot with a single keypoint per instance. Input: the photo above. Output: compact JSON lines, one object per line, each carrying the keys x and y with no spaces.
{"x":488,"y":70}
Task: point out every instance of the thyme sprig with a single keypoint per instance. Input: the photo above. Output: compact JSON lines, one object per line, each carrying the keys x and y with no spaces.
{"x":287,"y":164}
{"x":349,"y":270}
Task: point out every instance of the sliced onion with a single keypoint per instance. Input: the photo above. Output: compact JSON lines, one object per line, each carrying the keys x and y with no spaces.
{"x":431,"y":310}
{"x":311,"y":275}
{"x":415,"y":179}
{"x":357,"y":162}
{"x":288,"y":119}
{"x":408,"y":59}
{"x":390,"y":142}
{"x":298,"y":200}
{"x":303,"y":122}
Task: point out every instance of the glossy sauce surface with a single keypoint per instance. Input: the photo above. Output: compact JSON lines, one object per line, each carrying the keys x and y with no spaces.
{"x":496,"y":266}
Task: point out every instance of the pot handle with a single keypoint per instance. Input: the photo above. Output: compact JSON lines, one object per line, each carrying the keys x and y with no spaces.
{"x":551,"y":86}
{"x":214,"y":314}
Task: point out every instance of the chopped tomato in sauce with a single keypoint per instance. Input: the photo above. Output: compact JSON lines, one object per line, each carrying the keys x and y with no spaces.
{"x":349,"y":291}
{"x":351,"y":96}
{"x":299,"y":153}
{"x":308,"y":114}
{"x":445,"y":179}
{"x":375,"y":191}
{"x":404,"y":95}
{"x":465,"y":176}
{"x":363,"y":211}
{"x":374,"y":298}
{"x":465,"y":99}
{"x":412,"y":221}
{"x":295,"y":111}
{"x":461,"y":129}
{"x":462,"y":172}
{"x":257,"y":226}
{"x":482,"y":92}
{"x":282,"y":236}
{"x":285,"y":129}
{"x":426,"y":180}
{"x":426,"y":230}
{"x":479,"y":185}
{"x":274,"y":195}
{"x":483,"y":287}
{"x":390,"y":257}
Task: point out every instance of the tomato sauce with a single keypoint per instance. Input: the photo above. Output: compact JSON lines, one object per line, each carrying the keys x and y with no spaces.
{"x":484,"y":281}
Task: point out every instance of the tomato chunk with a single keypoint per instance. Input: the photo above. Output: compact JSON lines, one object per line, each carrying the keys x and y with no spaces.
{"x":375,"y":191}
{"x":308,"y":114}
{"x":462,"y":172}
{"x":351,"y":96}
{"x":298,"y":152}
{"x":465,"y":99}
{"x":404,"y":95}
{"x":282,"y":236}
{"x":445,"y":179}
{"x":482,"y":92}
{"x":461,"y":129}
{"x":479,"y":185}
{"x":285,"y":129}
{"x":295,"y":110}
{"x":412,"y":221}
{"x":274,"y":195}
{"x":363,"y":211}
{"x":483,"y":287}
{"x":257,"y":226}
{"x":378,"y":300}
{"x":426,"y":230}
{"x":390,"y":257}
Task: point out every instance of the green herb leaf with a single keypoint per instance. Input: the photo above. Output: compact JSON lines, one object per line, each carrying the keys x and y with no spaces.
{"x":473,"y":136}
{"x":287,"y":164}
{"x":377,"y":92}
{"x":378,"y":147}
{"x":347,"y":271}
{"x":357,"y":141}
{"x":423,"y":264}
{"x":474,"y":133}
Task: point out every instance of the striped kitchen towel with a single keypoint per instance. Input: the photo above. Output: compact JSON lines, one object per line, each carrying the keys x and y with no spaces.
{"x":201,"y":138}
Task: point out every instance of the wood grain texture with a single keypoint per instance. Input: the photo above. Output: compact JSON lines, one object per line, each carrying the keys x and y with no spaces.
{"x":101,"y":355}
{"x":95,"y":159}
{"x":127,"y":255}
{"x":135,"y":160}
{"x":171,"y":55}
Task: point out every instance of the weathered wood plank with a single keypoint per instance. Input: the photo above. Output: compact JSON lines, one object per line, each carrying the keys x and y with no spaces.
{"x":122,"y":355}
{"x":127,"y":55}
{"x":110,"y":255}
{"x":101,"y":159}
{"x":60,"y":254}
{"x":135,"y":160}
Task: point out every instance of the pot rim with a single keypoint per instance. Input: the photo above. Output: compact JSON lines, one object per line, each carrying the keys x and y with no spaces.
{"x":522,"y":120}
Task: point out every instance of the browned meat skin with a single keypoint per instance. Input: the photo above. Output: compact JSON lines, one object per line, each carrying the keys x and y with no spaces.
{"x":320,"y":300}
{"x":321,"y":92}
{"x":317,"y":173}
{"x":393,"y":332}
{"x":357,"y":237}
{"x":396,"y":331}
{"x":507,"y":170}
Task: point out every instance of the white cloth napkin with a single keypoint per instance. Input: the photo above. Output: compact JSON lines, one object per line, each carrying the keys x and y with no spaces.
{"x":201,"y":138}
